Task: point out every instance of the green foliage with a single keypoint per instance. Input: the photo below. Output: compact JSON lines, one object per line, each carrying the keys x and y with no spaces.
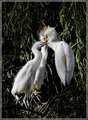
{"x":21,"y":23}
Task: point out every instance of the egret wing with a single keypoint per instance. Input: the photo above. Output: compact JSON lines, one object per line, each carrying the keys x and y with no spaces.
{"x":70,"y":61}
{"x":39,"y":78}
{"x":60,"y":62}
{"x":20,"y":80}
{"x":26,"y":79}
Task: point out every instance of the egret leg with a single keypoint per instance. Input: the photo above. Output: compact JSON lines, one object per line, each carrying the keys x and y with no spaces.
{"x":36,"y":93}
{"x":26,"y":99}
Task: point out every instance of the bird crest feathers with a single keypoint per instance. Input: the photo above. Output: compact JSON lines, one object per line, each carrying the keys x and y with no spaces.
{"x":48,"y":31}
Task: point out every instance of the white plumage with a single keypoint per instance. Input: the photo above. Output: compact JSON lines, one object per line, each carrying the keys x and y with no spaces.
{"x":26,"y":76}
{"x":33,"y":73}
{"x":64,"y":56}
{"x":41,"y":72}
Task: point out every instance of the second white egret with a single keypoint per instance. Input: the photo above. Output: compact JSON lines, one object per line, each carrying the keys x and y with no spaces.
{"x":64,"y":56}
{"x":26,"y":76}
{"x":41,"y":72}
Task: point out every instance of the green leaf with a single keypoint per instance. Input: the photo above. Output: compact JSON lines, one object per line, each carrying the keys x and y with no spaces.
{"x":62,"y":20}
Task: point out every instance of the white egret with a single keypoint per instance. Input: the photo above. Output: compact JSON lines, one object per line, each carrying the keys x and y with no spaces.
{"x":64,"y":56}
{"x":26,"y":76}
{"x":41,"y":72}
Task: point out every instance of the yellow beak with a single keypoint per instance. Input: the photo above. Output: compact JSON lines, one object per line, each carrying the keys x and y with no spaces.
{"x":45,"y":40}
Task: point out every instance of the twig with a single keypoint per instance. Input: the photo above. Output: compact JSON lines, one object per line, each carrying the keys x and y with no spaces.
{"x":45,"y":109}
{"x":30,"y":110}
{"x":75,"y":44}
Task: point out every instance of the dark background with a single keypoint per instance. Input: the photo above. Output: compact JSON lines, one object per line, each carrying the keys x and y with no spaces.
{"x":21,"y":23}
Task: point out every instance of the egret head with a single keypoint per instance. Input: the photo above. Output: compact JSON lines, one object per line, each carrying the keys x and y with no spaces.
{"x":38,"y":45}
{"x":48,"y":34}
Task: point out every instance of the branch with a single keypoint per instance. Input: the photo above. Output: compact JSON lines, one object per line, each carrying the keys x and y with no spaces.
{"x":29,"y":110}
{"x":44,"y":109}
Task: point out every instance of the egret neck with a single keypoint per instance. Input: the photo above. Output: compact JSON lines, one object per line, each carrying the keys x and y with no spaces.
{"x":52,"y":45}
{"x":37,"y":54}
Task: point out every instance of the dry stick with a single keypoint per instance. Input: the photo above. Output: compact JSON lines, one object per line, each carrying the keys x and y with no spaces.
{"x":29,"y":110}
{"x":44,"y":110}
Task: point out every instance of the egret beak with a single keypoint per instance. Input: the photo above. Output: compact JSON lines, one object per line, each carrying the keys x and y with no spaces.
{"x":45,"y":40}
{"x":42,"y":44}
